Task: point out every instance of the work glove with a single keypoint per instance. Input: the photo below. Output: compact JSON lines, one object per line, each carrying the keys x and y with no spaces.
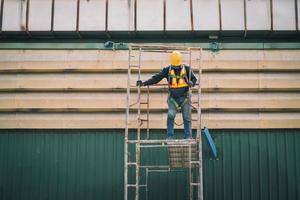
{"x":191,"y":84}
{"x":139,"y":83}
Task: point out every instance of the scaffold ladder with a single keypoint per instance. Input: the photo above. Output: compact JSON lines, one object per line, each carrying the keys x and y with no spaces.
{"x":182,"y":153}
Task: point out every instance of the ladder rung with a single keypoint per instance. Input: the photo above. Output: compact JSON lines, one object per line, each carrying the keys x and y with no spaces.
{"x":195,"y":162}
{"x":131,"y":163}
{"x":144,"y":103}
{"x":134,"y":66}
{"x":131,"y":185}
{"x":195,"y":183}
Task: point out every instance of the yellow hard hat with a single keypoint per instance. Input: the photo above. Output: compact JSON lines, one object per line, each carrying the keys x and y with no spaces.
{"x":175,"y":58}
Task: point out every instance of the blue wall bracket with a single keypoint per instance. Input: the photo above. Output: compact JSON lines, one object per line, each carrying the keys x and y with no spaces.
{"x":114,"y":45}
{"x":211,"y":144}
{"x":214,"y":46}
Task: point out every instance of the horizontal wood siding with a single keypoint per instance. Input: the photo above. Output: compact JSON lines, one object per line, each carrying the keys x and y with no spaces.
{"x":87,"y":89}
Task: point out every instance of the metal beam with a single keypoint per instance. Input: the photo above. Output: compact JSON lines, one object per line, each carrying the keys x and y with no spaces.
{"x":52,"y":15}
{"x":77,"y":19}
{"x":192,"y":15}
{"x":1,"y":16}
{"x":271,"y":13}
{"x":106,"y":19}
{"x":27,"y":18}
{"x":135,"y":15}
{"x":220,"y":15}
{"x":296,"y":15}
{"x":245,"y":19}
{"x":164,"y":17}
{"x":100,"y":45}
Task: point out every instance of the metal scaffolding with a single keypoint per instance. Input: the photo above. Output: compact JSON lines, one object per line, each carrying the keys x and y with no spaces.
{"x":182,"y":153}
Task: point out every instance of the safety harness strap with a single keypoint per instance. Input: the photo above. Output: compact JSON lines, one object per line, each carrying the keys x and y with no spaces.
{"x":178,"y":107}
{"x":180,"y":76}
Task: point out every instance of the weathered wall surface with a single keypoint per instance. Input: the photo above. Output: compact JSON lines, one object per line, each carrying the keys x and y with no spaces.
{"x":87,"y":89}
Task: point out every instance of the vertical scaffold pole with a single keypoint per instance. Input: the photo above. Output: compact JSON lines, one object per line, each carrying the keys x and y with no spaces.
{"x":126,"y":127}
{"x":190,"y":172}
{"x":200,"y":186}
{"x":137,"y":146}
{"x":148,"y":104}
{"x":190,"y":151}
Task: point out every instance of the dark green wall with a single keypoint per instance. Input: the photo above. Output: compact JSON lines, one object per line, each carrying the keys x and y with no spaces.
{"x":88,"y":164}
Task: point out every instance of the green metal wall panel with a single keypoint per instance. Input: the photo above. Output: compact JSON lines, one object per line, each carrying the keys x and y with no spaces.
{"x":64,"y":164}
{"x":254,"y":164}
{"x":88,"y":164}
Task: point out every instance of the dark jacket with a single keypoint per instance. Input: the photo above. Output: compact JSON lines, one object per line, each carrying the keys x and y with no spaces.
{"x":164,"y":73}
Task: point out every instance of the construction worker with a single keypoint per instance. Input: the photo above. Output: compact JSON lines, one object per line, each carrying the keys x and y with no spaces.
{"x":180,"y":79}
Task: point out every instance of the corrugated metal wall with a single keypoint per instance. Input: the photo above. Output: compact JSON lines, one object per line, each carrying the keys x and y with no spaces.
{"x":86,"y":88}
{"x":88,"y":164}
{"x":254,"y":164}
{"x":70,"y":164}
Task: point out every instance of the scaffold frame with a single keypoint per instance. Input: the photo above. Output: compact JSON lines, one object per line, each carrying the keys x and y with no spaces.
{"x":160,"y":143}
